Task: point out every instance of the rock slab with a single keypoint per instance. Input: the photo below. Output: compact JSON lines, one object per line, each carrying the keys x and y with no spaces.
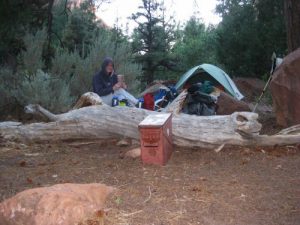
{"x":228,"y":105}
{"x":65,"y":204}
{"x":285,"y":89}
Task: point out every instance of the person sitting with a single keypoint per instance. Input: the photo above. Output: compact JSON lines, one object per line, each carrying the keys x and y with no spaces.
{"x":106,"y":84}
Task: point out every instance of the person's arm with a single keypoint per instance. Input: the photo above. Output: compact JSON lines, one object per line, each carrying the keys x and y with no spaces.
{"x":115,"y":80}
{"x":100,"y":88}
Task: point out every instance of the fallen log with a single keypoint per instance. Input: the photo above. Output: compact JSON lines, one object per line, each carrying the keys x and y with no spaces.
{"x":100,"y":121}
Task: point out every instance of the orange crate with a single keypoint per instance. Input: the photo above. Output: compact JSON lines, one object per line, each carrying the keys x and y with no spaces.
{"x":156,"y":138}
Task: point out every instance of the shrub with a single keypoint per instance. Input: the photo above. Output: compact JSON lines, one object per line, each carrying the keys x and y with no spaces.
{"x":50,"y":92}
{"x":70,"y":74}
{"x":31,"y":59}
{"x":8,"y":83}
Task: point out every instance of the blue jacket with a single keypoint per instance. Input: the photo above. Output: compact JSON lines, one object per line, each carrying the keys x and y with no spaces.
{"x":102,"y":82}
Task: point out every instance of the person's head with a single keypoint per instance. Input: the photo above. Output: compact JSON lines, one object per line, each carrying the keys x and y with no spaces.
{"x":108,"y":65}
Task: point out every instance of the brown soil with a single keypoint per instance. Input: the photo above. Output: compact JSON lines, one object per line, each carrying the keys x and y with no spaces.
{"x":235,"y":186}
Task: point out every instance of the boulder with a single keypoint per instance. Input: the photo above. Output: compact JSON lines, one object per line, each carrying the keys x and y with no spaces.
{"x":133,"y":153}
{"x":228,"y":105}
{"x":285,"y":89}
{"x":66,"y":204}
{"x":251,"y":88}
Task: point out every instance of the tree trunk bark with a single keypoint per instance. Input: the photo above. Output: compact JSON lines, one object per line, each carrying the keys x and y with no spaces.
{"x":101,"y":122}
{"x":292,"y":19}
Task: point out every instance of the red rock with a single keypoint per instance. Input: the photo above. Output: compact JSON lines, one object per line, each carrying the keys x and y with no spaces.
{"x":22,"y":163}
{"x":251,"y":88}
{"x":228,"y":105}
{"x":285,"y":88}
{"x":66,"y":204}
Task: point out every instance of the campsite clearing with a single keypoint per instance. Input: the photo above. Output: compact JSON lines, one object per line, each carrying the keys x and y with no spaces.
{"x":198,"y":186}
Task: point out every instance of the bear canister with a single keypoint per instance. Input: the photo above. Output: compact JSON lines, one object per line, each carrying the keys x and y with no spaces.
{"x":156,"y":138}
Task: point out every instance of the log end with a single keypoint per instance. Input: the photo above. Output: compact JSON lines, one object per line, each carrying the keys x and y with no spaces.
{"x":246,"y":123}
{"x":88,"y":99}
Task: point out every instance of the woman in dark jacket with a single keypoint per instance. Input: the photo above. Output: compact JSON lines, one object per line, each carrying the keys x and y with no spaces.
{"x":105,"y":83}
{"x":105,"y":80}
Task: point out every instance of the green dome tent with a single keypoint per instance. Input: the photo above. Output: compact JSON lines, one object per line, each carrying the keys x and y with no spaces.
{"x":212,"y":73}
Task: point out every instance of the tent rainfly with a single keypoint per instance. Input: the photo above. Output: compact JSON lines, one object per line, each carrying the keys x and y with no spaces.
{"x":212,"y":73}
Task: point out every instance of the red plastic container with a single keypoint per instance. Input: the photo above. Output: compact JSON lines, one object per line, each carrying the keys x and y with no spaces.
{"x":149,"y":101}
{"x":156,"y":139}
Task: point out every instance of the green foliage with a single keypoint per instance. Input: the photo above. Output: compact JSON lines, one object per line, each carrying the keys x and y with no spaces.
{"x":80,"y":28}
{"x":196,"y":45}
{"x":29,"y":84}
{"x":64,"y":63}
{"x":248,"y":35}
{"x":79,"y":45}
{"x":59,"y":21}
{"x":46,"y":90}
{"x":31,"y":57}
{"x":55,"y":66}
{"x":8,"y":83}
{"x":15,"y":16}
{"x":152,"y":39}
{"x":40,"y":88}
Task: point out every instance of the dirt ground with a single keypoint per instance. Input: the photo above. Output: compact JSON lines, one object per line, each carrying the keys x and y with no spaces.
{"x":235,"y":186}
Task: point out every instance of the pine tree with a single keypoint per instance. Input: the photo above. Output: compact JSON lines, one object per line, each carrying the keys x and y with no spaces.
{"x":151,"y":38}
{"x":196,"y":44}
{"x":249,"y":33}
{"x":81,"y":28}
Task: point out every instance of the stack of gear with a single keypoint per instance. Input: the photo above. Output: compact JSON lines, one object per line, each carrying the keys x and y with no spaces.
{"x":198,"y":101}
{"x":163,"y":97}
{"x":159,"y":98}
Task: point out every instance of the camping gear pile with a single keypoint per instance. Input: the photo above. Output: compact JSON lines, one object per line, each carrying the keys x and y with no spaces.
{"x":204,"y":84}
{"x":208,"y":72}
{"x":158,"y":97}
{"x":199,"y":102}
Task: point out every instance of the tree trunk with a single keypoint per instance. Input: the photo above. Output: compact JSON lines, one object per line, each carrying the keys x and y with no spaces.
{"x":292,"y":19}
{"x":49,"y":32}
{"x":101,"y":122}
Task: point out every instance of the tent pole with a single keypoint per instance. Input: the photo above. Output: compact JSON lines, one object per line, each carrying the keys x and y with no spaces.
{"x":268,"y":82}
{"x":262,"y":93}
